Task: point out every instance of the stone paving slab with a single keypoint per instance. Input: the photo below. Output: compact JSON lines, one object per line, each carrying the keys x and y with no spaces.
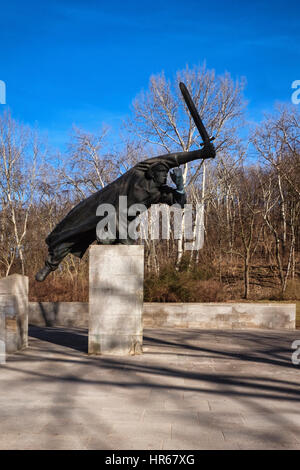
{"x":191,"y":389}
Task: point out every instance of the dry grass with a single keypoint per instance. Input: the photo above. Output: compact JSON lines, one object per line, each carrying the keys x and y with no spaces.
{"x":298,"y":315}
{"x":58,"y":289}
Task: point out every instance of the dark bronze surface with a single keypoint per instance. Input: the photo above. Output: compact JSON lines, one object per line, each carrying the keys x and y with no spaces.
{"x":145,"y":184}
{"x":194,"y":113}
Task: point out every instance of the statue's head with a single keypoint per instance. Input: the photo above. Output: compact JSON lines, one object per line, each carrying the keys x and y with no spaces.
{"x":158,"y":173}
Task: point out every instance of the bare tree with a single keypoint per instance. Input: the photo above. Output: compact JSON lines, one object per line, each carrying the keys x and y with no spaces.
{"x":89,"y":166}
{"x":277,"y":143}
{"x":159,"y":118}
{"x":19,"y":154}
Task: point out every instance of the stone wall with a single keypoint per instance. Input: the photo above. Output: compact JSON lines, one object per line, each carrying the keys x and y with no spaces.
{"x":220,"y":316}
{"x":176,"y":315}
{"x":2,"y":337}
{"x":67,"y":314}
{"x":14,"y":312}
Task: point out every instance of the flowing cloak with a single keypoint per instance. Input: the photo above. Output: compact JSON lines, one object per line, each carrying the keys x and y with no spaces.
{"x":77,"y":230}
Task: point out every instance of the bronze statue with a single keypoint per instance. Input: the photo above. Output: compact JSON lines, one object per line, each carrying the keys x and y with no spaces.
{"x":145,"y":183}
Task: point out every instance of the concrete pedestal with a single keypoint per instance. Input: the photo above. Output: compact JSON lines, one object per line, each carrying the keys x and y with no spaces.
{"x":14,"y":312}
{"x":116,"y":279}
{"x":2,"y":337}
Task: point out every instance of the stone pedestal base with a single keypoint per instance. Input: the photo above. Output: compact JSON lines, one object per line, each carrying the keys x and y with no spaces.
{"x":14,"y":311}
{"x":116,"y":279}
{"x":2,"y":336}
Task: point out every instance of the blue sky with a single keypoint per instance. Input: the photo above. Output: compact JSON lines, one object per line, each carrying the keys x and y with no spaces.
{"x":83,"y":62}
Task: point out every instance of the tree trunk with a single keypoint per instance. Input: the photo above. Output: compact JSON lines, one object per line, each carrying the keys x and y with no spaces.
{"x":246,"y":275}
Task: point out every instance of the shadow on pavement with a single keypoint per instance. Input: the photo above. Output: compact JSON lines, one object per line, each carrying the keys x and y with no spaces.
{"x":76,"y":338}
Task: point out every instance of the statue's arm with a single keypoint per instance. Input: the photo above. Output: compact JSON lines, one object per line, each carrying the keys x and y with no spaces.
{"x":179,"y":158}
{"x":208,"y":151}
{"x":172,"y":160}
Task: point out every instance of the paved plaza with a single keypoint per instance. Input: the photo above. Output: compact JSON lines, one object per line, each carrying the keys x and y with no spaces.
{"x":191,"y":389}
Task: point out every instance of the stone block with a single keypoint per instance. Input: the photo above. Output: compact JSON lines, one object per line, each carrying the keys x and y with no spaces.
{"x":115,"y":344}
{"x":116,"y":277}
{"x":2,"y":337}
{"x":14,"y":307}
